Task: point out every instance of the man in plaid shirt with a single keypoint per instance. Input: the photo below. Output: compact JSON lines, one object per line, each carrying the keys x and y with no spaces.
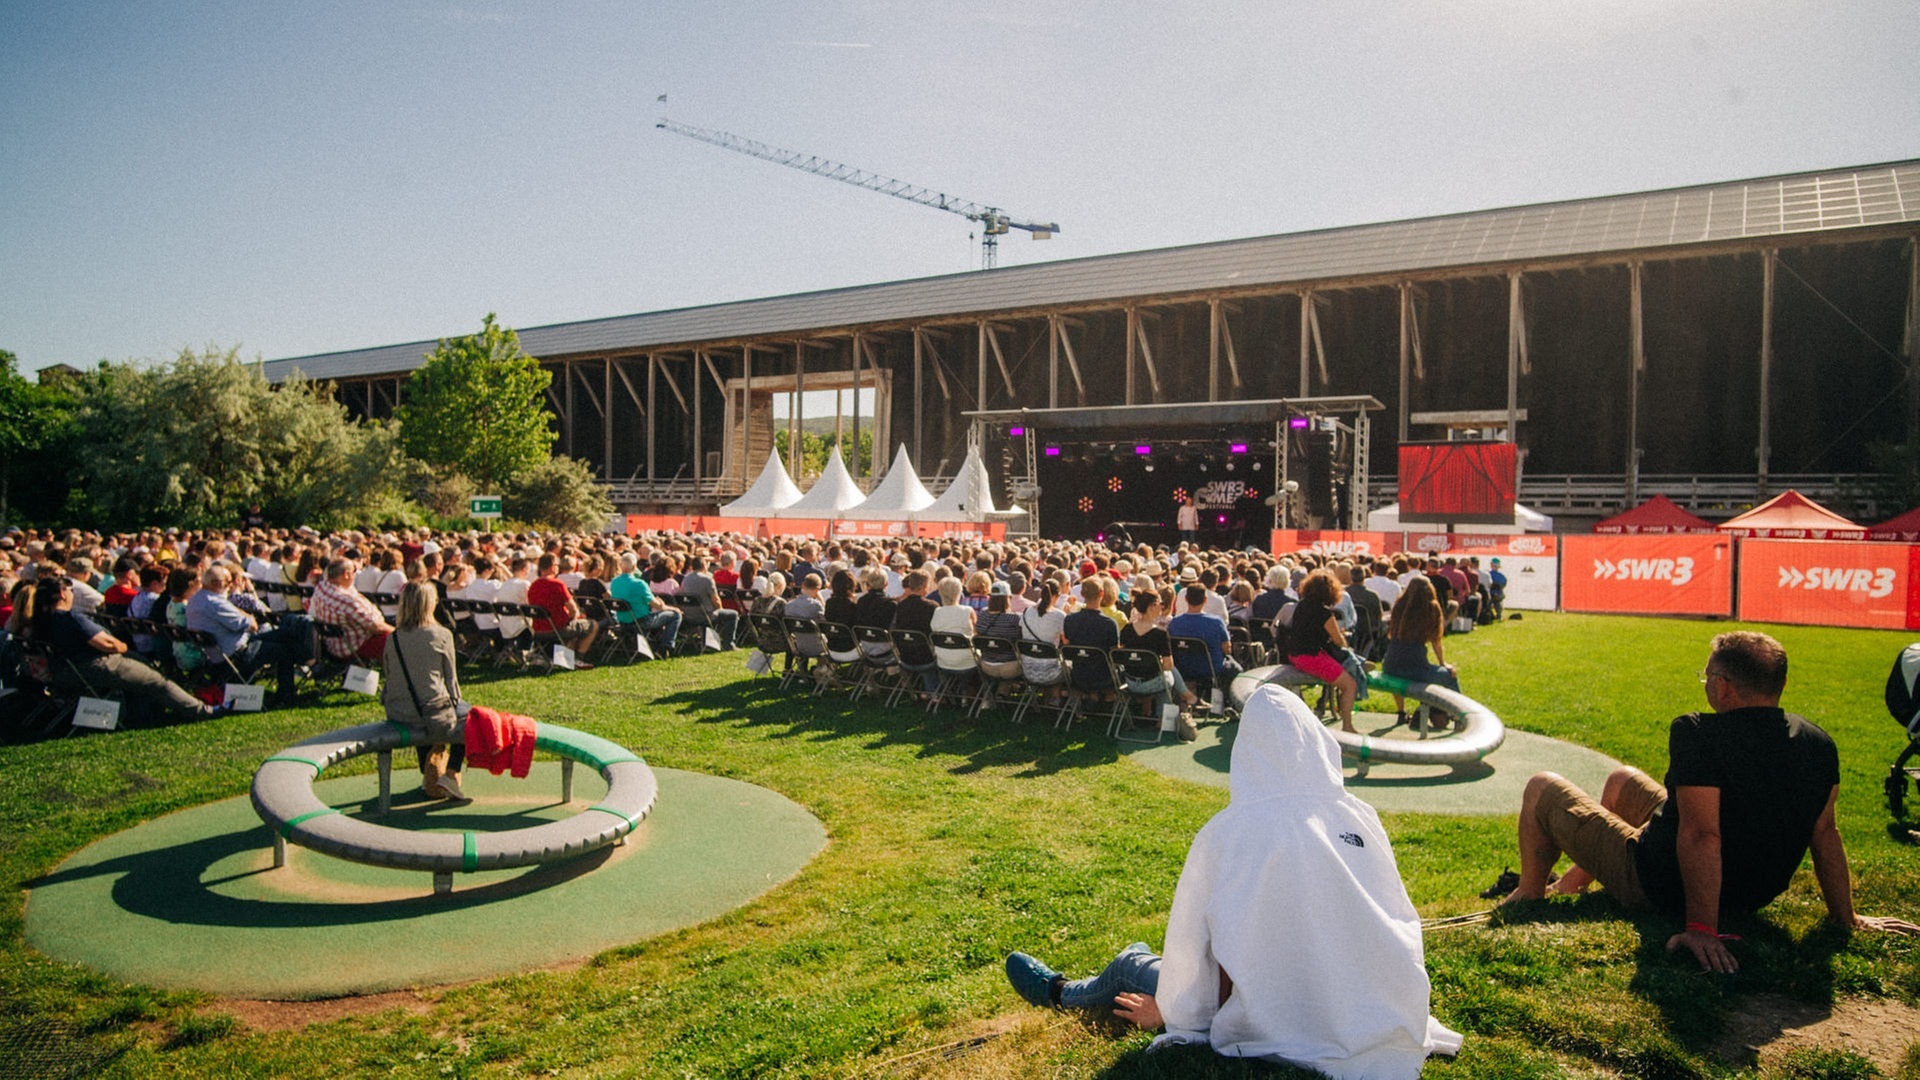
{"x":336,"y":601}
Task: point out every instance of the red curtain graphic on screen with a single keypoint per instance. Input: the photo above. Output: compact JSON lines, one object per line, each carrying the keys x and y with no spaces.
{"x":1464,"y":482}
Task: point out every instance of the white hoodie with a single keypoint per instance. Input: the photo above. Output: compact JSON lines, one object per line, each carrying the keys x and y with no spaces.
{"x":1292,"y":889}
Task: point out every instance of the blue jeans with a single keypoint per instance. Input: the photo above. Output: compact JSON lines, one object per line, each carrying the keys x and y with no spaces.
{"x":285,"y":647}
{"x":661,"y":628}
{"x":1135,"y":971}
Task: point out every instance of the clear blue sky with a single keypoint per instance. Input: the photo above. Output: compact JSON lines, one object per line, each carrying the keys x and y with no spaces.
{"x":299,"y":178}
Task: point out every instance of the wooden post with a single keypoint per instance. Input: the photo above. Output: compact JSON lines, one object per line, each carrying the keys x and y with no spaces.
{"x":1406,"y":352}
{"x":919,"y":358}
{"x":1636,"y":370}
{"x":1764,"y":451}
{"x":606,"y":413}
{"x":1133,"y":327}
{"x":1306,"y":341}
{"x":653,"y":409}
{"x":1213,"y":350}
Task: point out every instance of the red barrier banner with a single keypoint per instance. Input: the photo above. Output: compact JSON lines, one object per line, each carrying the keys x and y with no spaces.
{"x":639,"y":523}
{"x":1647,"y":575}
{"x":846,"y":529}
{"x":815,"y":527}
{"x":1913,"y":587}
{"x":1332,"y":542}
{"x":750,"y":526}
{"x":1826,"y":583}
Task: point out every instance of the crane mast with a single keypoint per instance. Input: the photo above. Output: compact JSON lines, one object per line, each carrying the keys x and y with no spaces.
{"x":994,"y":222}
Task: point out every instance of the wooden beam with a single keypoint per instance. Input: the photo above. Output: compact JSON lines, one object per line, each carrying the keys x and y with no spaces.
{"x":1636,"y":372}
{"x":639,"y":402}
{"x":1146,"y":355}
{"x":1764,"y":451}
{"x":1000,"y":358}
{"x":1226,"y":338}
{"x":1073,"y":362}
{"x":1406,"y":352}
{"x":1306,"y":342}
{"x":653,"y":372}
{"x":980,"y":364}
{"x":1213,"y":350}
{"x":673,"y":384}
{"x":606,"y":415}
{"x":919,"y":350}
{"x":1133,"y":328}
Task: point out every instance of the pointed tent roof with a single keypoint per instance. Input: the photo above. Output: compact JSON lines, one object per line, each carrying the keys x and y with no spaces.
{"x":1655,"y":516}
{"x":834,"y":492}
{"x":896,"y":497}
{"x":1905,"y":528}
{"x":1525,"y":519}
{"x":969,"y":497}
{"x":1792,"y":516}
{"x":773,"y":490}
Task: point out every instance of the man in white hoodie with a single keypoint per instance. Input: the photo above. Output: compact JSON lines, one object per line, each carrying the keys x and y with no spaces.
{"x":1291,"y":936}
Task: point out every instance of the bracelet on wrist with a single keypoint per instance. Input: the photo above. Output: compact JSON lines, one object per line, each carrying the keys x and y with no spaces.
{"x":1703,"y":928}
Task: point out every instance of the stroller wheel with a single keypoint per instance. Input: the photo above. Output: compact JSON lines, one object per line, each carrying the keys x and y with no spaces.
{"x":1896,"y":789}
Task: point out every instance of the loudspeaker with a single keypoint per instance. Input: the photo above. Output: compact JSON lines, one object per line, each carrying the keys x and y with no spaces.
{"x":1319,"y":451}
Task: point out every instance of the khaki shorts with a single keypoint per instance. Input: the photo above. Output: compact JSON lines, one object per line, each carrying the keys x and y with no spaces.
{"x":1599,"y":840}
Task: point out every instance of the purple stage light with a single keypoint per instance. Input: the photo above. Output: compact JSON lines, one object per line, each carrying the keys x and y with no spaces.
{"x":1016,"y":432}
{"x":1143,"y":449}
{"x":1051,"y":451}
{"x":1223,"y":519}
{"x":1299,"y":423}
{"x":1237,"y":448}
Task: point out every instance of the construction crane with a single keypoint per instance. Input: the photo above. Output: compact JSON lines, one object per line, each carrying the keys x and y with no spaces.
{"x":994,"y":222}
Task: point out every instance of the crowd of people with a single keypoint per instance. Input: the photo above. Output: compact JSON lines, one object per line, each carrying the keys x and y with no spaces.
{"x":1750,"y":790}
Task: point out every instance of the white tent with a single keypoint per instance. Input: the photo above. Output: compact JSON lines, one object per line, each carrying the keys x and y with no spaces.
{"x":1525,"y":519}
{"x":829,"y":496}
{"x":970,"y":498}
{"x":897,"y":497}
{"x":773,"y":490}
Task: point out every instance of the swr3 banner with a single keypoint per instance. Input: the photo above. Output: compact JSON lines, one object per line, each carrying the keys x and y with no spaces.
{"x":1829,"y":583}
{"x":1647,"y":575}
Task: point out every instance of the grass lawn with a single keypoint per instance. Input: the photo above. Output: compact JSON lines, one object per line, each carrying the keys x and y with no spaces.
{"x":951,"y":844}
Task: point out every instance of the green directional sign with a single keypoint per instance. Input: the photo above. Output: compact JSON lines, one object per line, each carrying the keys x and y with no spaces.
{"x":484,"y":506}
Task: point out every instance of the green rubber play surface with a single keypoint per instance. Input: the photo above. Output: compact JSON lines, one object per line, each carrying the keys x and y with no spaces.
{"x":1489,"y":786}
{"x":192,"y":900}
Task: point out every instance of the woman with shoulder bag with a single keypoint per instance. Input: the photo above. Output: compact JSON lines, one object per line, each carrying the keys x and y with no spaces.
{"x":421,"y":689}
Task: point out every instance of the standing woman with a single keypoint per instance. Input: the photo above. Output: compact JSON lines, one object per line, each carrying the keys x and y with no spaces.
{"x":421,"y":689}
{"x":1418,"y":623}
{"x":1317,"y":645}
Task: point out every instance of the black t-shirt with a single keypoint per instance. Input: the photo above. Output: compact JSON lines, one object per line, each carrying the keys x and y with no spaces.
{"x":842,"y":609}
{"x":69,"y":633}
{"x":1154,"y":641}
{"x":1775,"y":772}
{"x":914,"y":613}
{"x":874,"y":609}
{"x":1308,"y":633}
{"x":1089,"y":627}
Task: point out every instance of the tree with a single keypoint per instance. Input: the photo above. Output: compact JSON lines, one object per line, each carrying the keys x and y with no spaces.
{"x":33,"y":419}
{"x":197,"y":440}
{"x":560,"y":493}
{"x":474,"y":408}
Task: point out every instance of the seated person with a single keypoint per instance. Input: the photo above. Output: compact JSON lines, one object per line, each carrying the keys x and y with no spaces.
{"x":1205,"y":628}
{"x":807,"y":647}
{"x":1750,"y":790}
{"x":1316,"y":645}
{"x":698,"y":586}
{"x":1090,"y":626}
{"x":953,"y":616}
{"x":237,"y":638}
{"x":548,"y":593}
{"x":87,"y":659}
{"x":420,"y":687}
{"x":335,"y":601}
{"x":1417,"y":626}
{"x":1291,"y":937}
{"x":657,"y":619}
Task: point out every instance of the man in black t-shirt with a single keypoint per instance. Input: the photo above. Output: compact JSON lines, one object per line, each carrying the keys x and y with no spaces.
{"x":1750,"y":790}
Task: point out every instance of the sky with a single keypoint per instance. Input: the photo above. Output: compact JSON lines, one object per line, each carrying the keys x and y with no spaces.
{"x":289,"y":179}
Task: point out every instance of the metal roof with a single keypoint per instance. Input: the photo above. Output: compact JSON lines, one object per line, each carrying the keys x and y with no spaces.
{"x":1850,"y":198}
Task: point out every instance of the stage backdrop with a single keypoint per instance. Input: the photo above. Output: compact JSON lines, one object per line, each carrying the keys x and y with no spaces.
{"x":1830,"y":583}
{"x":1647,"y":575}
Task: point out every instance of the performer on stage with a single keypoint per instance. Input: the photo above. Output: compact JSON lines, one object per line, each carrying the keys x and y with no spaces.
{"x":1189,"y":521}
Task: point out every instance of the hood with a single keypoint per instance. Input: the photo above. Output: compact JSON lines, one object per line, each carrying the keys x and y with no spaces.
{"x":1283,"y":750}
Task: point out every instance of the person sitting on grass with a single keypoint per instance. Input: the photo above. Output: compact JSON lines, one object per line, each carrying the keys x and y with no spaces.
{"x":1291,"y":937}
{"x":1750,"y":790}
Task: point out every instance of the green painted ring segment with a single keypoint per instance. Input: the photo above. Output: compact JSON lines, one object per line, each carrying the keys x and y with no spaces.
{"x":621,"y":814}
{"x":317,"y":767}
{"x":287,"y":827}
{"x":1479,"y":734}
{"x":469,"y":852}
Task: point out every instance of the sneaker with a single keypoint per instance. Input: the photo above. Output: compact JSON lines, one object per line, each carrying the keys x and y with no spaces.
{"x":1185,"y":729}
{"x":1031,"y":979}
{"x":449,"y":788}
{"x":582,"y":665}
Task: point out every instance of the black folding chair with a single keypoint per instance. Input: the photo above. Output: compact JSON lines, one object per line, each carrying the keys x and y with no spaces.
{"x":1136,"y":667}
{"x":1044,"y":652}
{"x":908,"y":643}
{"x":843,"y":655}
{"x":997,"y":651}
{"x":953,"y":678}
{"x":770,"y":637}
{"x":1096,"y":661}
{"x":878,"y":659}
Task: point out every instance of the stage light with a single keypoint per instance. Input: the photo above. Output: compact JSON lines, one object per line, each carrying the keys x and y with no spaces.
{"x":1143,"y":449}
{"x":1203,"y":466}
{"x":1086,"y":504}
{"x":1016,"y":432}
{"x":1237,"y":448}
{"x":1299,"y":423}
{"x":1229,"y":466}
{"x":1149,"y":464}
{"x":1051,"y":451}
{"x":1222,"y":519}
{"x":1113,"y":484}
{"x":1256,"y":465}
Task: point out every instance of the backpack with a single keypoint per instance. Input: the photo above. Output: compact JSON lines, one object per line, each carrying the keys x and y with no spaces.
{"x":1903,"y":690}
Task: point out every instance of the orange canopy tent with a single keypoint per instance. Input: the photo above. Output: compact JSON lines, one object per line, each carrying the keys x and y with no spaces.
{"x":1792,"y":516}
{"x":1905,"y":529}
{"x":1657,"y":516}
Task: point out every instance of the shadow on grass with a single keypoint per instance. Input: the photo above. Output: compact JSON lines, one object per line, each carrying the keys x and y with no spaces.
{"x":172,"y":883}
{"x":1696,"y":1004}
{"x":990,"y":741}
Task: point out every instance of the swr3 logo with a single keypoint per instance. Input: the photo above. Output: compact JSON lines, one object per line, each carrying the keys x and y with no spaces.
{"x":1877,"y":582}
{"x":1675,"y":572}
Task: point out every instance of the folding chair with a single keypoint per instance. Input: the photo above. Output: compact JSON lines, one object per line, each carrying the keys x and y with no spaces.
{"x":1134,"y":667}
{"x":692,"y":639}
{"x":54,"y":707}
{"x":877,"y":658}
{"x":952,"y":678}
{"x":993,"y":650}
{"x":770,"y":637}
{"x":910,"y":643}
{"x":1035,"y":689}
{"x":1095,"y":660}
{"x":1194,"y":651}
{"x":843,"y":654}
{"x":807,"y":645}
